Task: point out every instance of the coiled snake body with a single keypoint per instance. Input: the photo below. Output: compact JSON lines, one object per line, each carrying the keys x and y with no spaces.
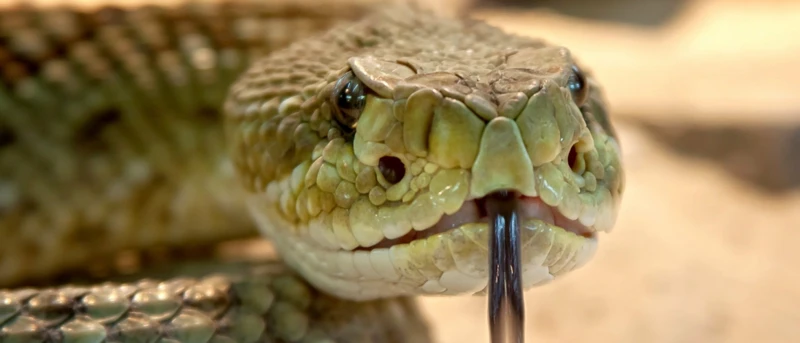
{"x":362,"y":152}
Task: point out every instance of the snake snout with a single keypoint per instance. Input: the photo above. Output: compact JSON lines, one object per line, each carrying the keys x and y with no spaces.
{"x":502,"y":162}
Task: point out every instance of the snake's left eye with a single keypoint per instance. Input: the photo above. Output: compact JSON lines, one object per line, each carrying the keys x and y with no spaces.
{"x":578,"y":86}
{"x":349,"y":98}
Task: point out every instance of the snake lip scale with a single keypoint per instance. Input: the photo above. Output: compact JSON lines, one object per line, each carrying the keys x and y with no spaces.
{"x":474,"y":211}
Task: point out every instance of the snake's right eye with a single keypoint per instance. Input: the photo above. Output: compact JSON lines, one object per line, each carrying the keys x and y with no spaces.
{"x":578,"y":86}
{"x":349,"y":98}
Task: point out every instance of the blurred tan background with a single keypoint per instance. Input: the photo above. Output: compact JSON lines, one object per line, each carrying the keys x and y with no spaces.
{"x":705,"y":97}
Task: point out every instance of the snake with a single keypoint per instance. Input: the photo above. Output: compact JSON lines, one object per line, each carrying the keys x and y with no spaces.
{"x":361,"y":140}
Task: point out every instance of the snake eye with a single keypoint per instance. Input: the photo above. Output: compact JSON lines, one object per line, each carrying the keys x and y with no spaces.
{"x":349,"y":98}
{"x":578,"y":86}
{"x":392,"y":169}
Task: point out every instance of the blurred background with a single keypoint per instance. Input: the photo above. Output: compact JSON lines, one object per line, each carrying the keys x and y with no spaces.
{"x":705,"y":97}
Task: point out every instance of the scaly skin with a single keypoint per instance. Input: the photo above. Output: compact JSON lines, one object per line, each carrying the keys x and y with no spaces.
{"x":466,"y":108}
{"x":247,"y":303}
{"x":111,"y":132}
{"x":111,"y":140}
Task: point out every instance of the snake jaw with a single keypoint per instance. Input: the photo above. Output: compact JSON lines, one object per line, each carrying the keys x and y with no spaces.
{"x":536,"y":208}
{"x":474,"y":211}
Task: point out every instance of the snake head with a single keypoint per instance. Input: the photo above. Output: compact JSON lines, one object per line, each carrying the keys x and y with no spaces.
{"x":368,"y":152}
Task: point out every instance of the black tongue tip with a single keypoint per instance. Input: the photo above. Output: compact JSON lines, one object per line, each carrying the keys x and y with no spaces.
{"x":506,"y":304}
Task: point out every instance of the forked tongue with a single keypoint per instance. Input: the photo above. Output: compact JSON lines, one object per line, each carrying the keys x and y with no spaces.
{"x":506,"y":305}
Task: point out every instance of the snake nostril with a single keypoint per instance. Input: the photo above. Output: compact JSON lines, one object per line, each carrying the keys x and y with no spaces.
{"x":572,"y":158}
{"x":392,"y":169}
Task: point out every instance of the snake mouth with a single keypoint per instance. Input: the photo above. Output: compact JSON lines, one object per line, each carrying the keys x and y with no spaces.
{"x":474,"y":211}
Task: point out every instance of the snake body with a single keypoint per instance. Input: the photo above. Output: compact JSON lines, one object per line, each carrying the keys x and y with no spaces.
{"x":359,"y":139}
